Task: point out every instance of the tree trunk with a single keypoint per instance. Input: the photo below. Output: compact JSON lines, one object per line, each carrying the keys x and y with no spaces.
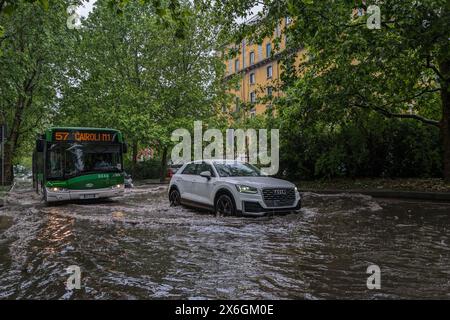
{"x":13,"y":138}
{"x":445,"y":122}
{"x":162,"y":172}
{"x":134,"y":157}
{"x":8,"y":165}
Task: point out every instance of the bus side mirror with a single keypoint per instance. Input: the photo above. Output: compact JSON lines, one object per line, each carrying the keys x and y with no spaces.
{"x":40,"y":145}
{"x":124,"y":147}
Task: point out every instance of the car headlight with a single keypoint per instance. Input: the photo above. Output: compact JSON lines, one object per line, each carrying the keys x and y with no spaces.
{"x":118,"y":186}
{"x":246,"y":189}
{"x":296,"y":189}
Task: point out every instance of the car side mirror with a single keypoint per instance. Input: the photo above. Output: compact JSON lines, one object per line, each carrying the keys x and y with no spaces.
{"x":40,"y":145}
{"x":205,"y":174}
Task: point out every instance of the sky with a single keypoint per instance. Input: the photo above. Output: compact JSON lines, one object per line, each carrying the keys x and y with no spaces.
{"x":86,"y":8}
{"x":89,"y":4}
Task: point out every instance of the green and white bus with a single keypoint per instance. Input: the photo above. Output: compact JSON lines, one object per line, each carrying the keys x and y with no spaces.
{"x":79,"y":163}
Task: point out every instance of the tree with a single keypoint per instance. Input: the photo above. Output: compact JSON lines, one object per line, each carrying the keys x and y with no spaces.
{"x":33,"y":49}
{"x":399,"y":71}
{"x":134,"y":73}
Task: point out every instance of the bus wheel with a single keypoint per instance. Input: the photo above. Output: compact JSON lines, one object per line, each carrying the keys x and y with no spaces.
{"x":44,"y":195}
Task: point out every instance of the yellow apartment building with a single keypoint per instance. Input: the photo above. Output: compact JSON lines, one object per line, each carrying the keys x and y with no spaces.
{"x":258,"y":68}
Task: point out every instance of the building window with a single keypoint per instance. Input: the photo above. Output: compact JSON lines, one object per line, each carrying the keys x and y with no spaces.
{"x":268,"y":50}
{"x":252,"y":78}
{"x":269,"y":91}
{"x":252,"y":58}
{"x":236,"y":65}
{"x":252,"y":97}
{"x":252,"y":112}
{"x":260,"y":52}
{"x":269,"y":72}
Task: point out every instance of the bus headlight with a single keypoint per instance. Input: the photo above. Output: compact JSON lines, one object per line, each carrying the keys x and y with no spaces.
{"x":57,"y":189}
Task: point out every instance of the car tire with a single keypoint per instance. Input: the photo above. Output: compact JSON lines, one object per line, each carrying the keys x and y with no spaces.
{"x":174,"y":197}
{"x":224,"y":205}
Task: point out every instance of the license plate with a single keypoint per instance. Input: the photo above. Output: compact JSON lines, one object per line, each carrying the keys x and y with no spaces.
{"x":89,"y":196}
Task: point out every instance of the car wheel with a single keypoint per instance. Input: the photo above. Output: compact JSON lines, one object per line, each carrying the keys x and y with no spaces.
{"x":225,"y":205}
{"x":174,"y":198}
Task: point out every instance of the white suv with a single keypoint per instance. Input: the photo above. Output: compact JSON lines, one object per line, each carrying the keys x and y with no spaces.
{"x":231,"y":188}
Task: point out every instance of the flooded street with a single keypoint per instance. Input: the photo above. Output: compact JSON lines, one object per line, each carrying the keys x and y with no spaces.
{"x":138,"y":247}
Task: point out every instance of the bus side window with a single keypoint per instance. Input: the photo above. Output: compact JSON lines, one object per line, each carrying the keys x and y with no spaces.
{"x":40,"y":145}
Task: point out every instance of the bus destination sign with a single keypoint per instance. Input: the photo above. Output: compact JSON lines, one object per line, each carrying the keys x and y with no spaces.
{"x":84,"y":136}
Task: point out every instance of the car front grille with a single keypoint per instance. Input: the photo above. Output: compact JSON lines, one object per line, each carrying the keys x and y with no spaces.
{"x":252,"y":207}
{"x":279,"y":197}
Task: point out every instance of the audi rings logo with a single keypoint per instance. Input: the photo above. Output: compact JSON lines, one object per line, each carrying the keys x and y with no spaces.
{"x":279,"y":191}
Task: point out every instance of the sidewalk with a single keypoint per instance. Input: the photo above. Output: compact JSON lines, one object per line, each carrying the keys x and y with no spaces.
{"x":416,"y":195}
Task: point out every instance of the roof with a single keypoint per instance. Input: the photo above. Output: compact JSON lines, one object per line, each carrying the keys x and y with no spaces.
{"x":81,"y":128}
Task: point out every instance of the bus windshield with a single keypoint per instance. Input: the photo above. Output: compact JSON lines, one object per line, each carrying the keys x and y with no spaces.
{"x":73,"y":159}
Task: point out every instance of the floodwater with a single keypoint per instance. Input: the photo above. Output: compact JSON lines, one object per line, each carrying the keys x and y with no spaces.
{"x":138,"y":247}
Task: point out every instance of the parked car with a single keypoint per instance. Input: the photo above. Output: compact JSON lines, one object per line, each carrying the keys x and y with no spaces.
{"x":232,"y":188}
{"x":172,"y":169}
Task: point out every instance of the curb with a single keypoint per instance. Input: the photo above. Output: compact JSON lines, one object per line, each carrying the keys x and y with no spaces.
{"x":150,"y":184}
{"x":433,"y":196}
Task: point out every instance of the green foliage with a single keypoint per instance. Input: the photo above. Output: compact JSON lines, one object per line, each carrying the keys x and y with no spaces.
{"x":33,"y":57}
{"x":135,"y":74}
{"x":399,"y":71}
{"x":149,"y":169}
{"x":147,"y":67}
{"x":169,"y":13}
{"x":131,"y":69}
{"x":372,"y":147}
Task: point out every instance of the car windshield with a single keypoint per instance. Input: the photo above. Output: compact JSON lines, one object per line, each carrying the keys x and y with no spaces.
{"x":236,"y":169}
{"x":73,"y":159}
